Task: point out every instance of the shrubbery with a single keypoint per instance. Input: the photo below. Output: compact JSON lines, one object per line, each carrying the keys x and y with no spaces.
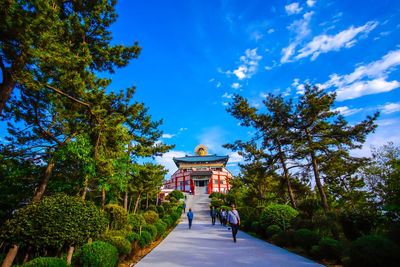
{"x":357,"y":223}
{"x":278,"y":214}
{"x":161,"y":227}
{"x":255,"y":226}
{"x":177,"y":194}
{"x":272,"y":230}
{"x":46,"y":262}
{"x":122,"y":244}
{"x":145,"y":239}
{"x":133,"y":237}
{"x":100,"y":254}
{"x":151,"y":229}
{"x":160,"y":211}
{"x":331,"y":248}
{"x":283,"y":239}
{"x":150,"y":216}
{"x":117,"y":216}
{"x":136,"y":221}
{"x":216,"y":203}
{"x":306,"y":238}
{"x":168,"y":221}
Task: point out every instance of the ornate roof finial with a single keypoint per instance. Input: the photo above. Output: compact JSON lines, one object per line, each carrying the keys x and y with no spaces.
{"x":201,"y":150}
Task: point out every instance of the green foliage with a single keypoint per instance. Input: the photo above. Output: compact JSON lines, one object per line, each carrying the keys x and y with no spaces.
{"x":247,"y":215}
{"x":160,"y":211}
{"x":255,"y":226}
{"x":150,"y":216}
{"x":272,"y":230}
{"x":283,"y":239}
{"x":133,"y":237}
{"x":356,"y":223}
{"x":315,"y":252}
{"x":278,"y":214}
{"x":169,"y":222}
{"x":152,"y":229}
{"x":55,"y":222}
{"x":331,"y":248}
{"x":309,"y":206}
{"x":177,"y":194}
{"x":306,"y":238}
{"x":98,"y":254}
{"x":145,"y":239}
{"x":152,"y":207}
{"x":117,"y":216}
{"x":136,"y":221}
{"x":46,"y":262}
{"x":121,"y":243}
{"x":161,"y":228}
{"x":216,"y":203}
{"x":176,"y":215}
{"x":373,"y":250}
{"x":173,"y":200}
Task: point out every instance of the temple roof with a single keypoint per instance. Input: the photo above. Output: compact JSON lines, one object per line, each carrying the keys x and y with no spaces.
{"x":201,"y":159}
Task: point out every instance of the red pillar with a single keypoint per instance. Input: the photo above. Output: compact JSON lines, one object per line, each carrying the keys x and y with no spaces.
{"x":184,"y":185}
{"x":211,"y":185}
{"x":227,"y":183}
{"x":219,"y":184}
{"x":176,"y":182}
{"x":192,"y":186}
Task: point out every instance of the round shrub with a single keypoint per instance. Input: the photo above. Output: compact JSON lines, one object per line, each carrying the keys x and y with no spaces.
{"x":101,"y":254}
{"x":306,"y":238}
{"x":255,"y":226}
{"x":309,"y":206}
{"x":272,"y":230}
{"x":175,"y":216}
{"x":54,"y":222}
{"x":161,"y":227}
{"x":150,"y":216}
{"x":152,"y":229}
{"x":169,"y":222}
{"x":247,"y":215}
{"x":136,"y":221}
{"x":374,"y":250}
{"x":177,"y":194}
{"x":357,"y":223}
{"x":46,"y":262}
{"x":122,"y":244}
{"x":331,"y":248}
{"x":145,"y":239}
{"x":216,"y":203}
{"x":133,"y":237}
{"x":316,"y":253}
{"x":160,"y":211}
{"x":282,"y":215}
{"x":173,"y":200}
{"x":283,"y":239}
{"x":117,"y":216}
{"x":152,"y":207}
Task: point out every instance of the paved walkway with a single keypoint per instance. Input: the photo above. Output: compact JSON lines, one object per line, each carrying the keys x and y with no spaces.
{"x":212,"y":245}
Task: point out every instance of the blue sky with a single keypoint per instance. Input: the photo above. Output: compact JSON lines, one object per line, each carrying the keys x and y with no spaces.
{"x":196,"y":54}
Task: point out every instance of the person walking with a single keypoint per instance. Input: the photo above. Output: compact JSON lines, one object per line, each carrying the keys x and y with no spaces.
{"x":190,"y":217}
{"x":234,"y":221}
{"x":222,"y":216}
{"x":213,"y":214}
{"x":184,"y":207}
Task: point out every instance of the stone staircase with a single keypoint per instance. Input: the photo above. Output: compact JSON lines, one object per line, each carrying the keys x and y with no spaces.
{"x":200,"y":205}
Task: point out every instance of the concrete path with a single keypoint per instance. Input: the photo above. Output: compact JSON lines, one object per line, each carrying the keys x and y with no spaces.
{"x":212,"y":245}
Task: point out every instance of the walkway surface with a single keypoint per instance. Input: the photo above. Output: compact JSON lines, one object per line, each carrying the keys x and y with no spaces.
{"x":212,"y":245}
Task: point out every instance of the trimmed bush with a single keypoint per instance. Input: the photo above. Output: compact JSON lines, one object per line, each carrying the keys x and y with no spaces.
{"x":283,"y":239}
{"x":357,"y":223}
{"x":117,"y":216}
{"x":122,"y":244}
{"x":152,"y":229}
{"x":247,"y":215}
{"x":169,"y":222}
{"x":46,"y":262}
{"x":306,"y":238}
{"x":309,"y":206}
{"x":161,"y":228}
{"x":216,"y":203}
{"x":160,"y":211}
{"x":145,"y":239}
{"x":99,"y":254}
{"x":331,"y":249}
{"x":133,"y":237}
{"x":152,"y":207}
{"x":150,"y":216}
{"x":282,"y":215}
{"x":175,"y":216}
{"x":177,"y":194}
{"x":272,"y":230}
{"x":315,"y":252}
{"x":136,"y":221}
{"x":255,"y":226}
{"x":374,"y":250}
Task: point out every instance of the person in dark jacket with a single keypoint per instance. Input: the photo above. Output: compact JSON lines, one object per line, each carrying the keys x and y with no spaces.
{"x":234,"y":221}
{"x":190,"y":217}
{"x":213,"y":214}
{"x":184,"y":207}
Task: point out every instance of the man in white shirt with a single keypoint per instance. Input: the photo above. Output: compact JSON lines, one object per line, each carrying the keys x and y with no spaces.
{"x":234,"y":221}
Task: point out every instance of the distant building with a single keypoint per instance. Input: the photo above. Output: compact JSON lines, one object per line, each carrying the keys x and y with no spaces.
{"x":200,"y":174}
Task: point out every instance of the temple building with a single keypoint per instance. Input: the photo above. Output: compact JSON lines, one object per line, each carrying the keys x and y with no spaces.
{"x":200,"y":174}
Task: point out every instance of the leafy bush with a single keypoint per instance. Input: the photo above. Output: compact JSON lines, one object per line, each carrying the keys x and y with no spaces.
{"x":168,"y":206}
{"x":121,"y":243}
{"x":315,"y":252}
{"x":247,"y":215}
{"x":272,"y":230}
{"x":145,"y":239}
{"x":161,"y":228}
{"x":152,"y":207}
{"x":133,"y":237}
{"x":136,"y":221}
{"x":54,"y":222}
{"x":374,"y":250}
{"x":278,"y":214}
{"x":150,"y":216}
{"x":216,"y":203}
{"x":152,"y":229}
{"x":308,"y":206}
{"x":255,"y":226}
{"x":46,"y":262}
{"x":306,"y":238}
{"x":99,"y":254}
{"x":117,"y":216}
{"x":283,"y":239}
{"x":160,"y":211}
{"x":331,"y":248}
{"x":173,"y":200}
{"x":169,"y":222}
{"x":357,"y":223}
{"x":177,"y":194}
{"x":175,"y":216}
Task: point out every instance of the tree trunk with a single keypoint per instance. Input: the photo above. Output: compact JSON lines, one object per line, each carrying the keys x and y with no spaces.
{"x":25,"y":258}
{"x":45,"y":180}
{"x":130,"y":204}
{"x":70,"y":252}
{"x":12,"y":252}
{"x":126,"y":199}
{"x":137,"y":203}
{"x":85,"y":189}
{"x":103,"y":198}
{"x":287,"y":177}
{"x":147,"y":200}
{"x":318,"y":183}
{"x":6,"y":88}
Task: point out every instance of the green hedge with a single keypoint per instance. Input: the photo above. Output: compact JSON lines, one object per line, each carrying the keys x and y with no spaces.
{"x":98,"y":254}
{"x":169,"y":222}
{"x":152,"y":229}
{"x":121,"y":243}
{"x":145,"y":239}
{"x":46,"y":262}
{"x":306,"y":238}
{"x":133,"y":237}
{"x":161,"y":227}
{"x":117,"y":216}
{"x":136,"y":220}
{"x":282,"y":215}
{"x":150,"y":216}
{"x":331,"y":248}
{"x":160,"y":211}
{"x":272,"y":230}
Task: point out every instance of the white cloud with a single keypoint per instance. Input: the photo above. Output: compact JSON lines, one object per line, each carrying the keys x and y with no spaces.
{"x":236,"y":86}
{"x":168,"y":136}
{"x":235,"y":158}
{"x":324,"y":43}
{"x":271,"y":31}
{"x":256,"y":36}
{"x":346,"y":111}
{"x":226,"y":95}
{"x":366,"y":79}
{"x":293,"y":9}
{"x":211,"y":80}
{"x":248,"y":66}
{"x":182,"y":129}
{"x":225,"y":104}
{"x":389,"y":108}
{"x":311,"y":3}
{"x":166,"y":160}
{"x":218,"y":84}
